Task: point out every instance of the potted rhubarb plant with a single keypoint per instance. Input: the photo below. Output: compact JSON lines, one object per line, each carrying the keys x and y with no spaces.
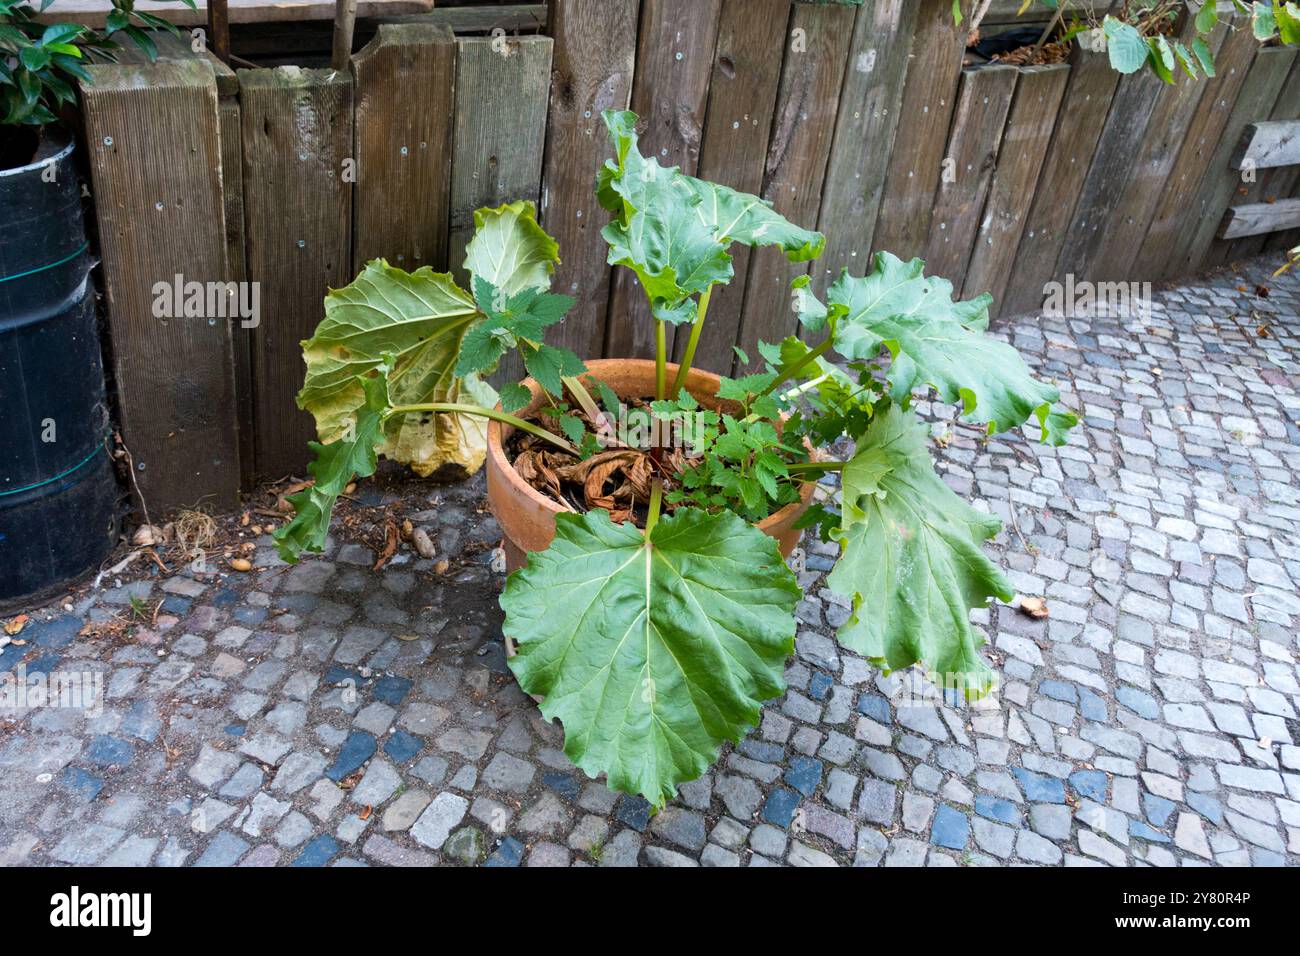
{"x":648,"y":505}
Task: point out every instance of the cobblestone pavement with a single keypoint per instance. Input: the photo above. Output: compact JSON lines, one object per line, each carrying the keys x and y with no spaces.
{"x":1151,"y":719}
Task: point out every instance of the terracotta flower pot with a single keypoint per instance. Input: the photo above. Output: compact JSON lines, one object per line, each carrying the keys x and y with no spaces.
{"x":527,"y":517}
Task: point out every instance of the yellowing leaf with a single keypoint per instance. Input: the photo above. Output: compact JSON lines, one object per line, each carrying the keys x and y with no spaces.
{"x":418,"y":319}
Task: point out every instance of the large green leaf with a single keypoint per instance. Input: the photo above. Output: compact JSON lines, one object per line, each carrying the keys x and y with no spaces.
{"x":510,"y":261}
{"x":351,"y":454}
{"x":936,"y":341}
{"x":674,"y":230}
{"x":911,"y":563}
{"x":419,"y":318}
{"x":510,"y":250}
{"x":1127,"y":48}
{"x":652,"y":652}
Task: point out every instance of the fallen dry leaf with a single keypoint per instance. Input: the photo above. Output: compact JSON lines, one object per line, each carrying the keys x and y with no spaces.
{"x":391,"y":536}
{"x":1035,"y":607}
{"x":365,"y":812}
{"x":14,"y":625}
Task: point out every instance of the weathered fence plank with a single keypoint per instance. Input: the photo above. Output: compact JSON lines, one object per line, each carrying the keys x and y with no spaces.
{"x":978,"y":123}
{"x":673,"y":63}
{"x":153,"y":146}
{"x":405,"y":98}
{"x":1112,"y":165}
{"x":1268,"y":144}
{"x":1074,"y":142}
{"x":1136,"y":203}
{"x":232,"y":187}
{"x":1267,"y":76}
{"x":1269,"y":184}
{"x":1260,"y":218}
{"x":865,"y":130}
{"x":297,"y":134}
{"x":502,"y":87}
{"x":511,"y":17}
{"x":1028,"y":134}
{"x":742,"y":102}
{"x":796,"y":160}
{"x":594,"y":52}
{"x":1177,"y":209}
{"x":1285,"y":181}
{"x":903,"y":226}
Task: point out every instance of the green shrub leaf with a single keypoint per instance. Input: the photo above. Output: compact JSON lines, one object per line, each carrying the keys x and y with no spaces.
{"x":510,"y":250}
{"x":1127,"y":47}
{"x":674,"y":230}
{"x":652,"y":652}
{"x":420,"y":319}
{"x":351,"y":455}
{"x":936,"y":341}
{"x":912,"y":563}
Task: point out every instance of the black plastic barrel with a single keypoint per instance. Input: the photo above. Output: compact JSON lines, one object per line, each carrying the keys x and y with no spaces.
{"x":58,"y":493}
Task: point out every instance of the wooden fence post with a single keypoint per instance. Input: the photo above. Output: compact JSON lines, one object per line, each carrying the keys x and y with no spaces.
{"x":674,"y":59}
{"x":154,"y":150}
{"x":1176,"y":210}
{"x":808,"y":100}
{"x":1078,"y":128}
{"x":865,"y":131}
{"x":232,"y":188}
{"x":903,"y":226}
{"x":1112,"y":164}
{"x":747,"y":61}
{"x":297,"y":137}
{"x":502,"y":87}
{"x":977,"y":127}
{"x":1136,"y":202}
{"x":1026,"y":138}
{"x":405,"y":100}
{"x":592,"y":67}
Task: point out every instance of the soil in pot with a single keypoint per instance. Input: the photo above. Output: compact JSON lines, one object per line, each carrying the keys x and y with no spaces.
{"x":618,"y":478}
{"x":527,"y":510}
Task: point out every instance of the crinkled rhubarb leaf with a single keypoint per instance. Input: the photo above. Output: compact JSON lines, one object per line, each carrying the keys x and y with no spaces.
{"x":510,"y":250}
{"x":674,"y":230}
{"x":351,"y":455}
{"x":936,"y":341}
{"x":912,"y":562}
{"x":652,"y":653}
{"x":510,"y":261}
{"x":420,"y":319}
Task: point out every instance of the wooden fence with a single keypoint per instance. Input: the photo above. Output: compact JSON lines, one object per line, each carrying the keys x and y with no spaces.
{"x":862,"y":122}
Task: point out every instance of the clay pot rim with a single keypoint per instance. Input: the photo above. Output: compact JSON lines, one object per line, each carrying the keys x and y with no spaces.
{"x":498,"y":434}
